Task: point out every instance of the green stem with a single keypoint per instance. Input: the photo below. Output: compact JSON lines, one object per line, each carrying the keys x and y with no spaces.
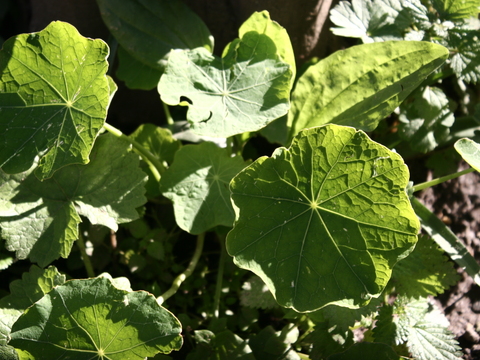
{"x":441,"y":180}
{"x":181,"y":278}
{"x":218,"y":286}
{"x":168,"y":115}
{"x":156,"y":166}
{"x":85,"y":257}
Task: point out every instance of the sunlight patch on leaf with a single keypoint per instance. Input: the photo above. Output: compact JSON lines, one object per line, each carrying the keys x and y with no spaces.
{"x":324,"y":221}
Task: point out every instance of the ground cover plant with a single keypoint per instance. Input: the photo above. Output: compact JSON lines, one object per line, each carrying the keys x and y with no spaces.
{"x":184,"y":241}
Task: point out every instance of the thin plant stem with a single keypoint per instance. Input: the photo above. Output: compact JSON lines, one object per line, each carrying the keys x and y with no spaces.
{"x":440,"y":180}
{"x":168,"y":115}
{"x":181,"y":278}
{"x":156,"y":165}
{"x":85,"y":257}
{"x":218,"y":285}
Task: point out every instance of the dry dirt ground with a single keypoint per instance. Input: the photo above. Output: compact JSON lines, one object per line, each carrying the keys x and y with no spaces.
{"x":457,"y":203}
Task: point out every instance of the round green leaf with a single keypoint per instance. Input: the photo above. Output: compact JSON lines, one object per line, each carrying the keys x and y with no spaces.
{"x":470,"y":152}
{"x":90,"y":319}
{"x":243,"y":91}
{"x":54,"y":96}
{"x":324,"y":221}
{"x":197,"y":183}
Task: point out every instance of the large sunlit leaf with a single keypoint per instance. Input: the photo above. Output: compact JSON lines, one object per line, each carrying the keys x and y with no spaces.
{"x":54,"y":96}
{"x":363,"y":84}
{"x":324,"y":221}
{"x":147,"y":30}
{"x":40,"y":220}
{"x":197,"y":183}
{"x":90,"y":319}
{"x":245,"y":90}
{"x":470,"y":152}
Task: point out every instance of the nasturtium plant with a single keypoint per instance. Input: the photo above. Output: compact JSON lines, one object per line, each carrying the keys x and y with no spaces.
{"x":197,"y":183}
{"x":361,"y":85}
{"x":244,"y":90}
{"x":87,"y":319}
{"x":39,"y":220}
{"x":324,"y":233}
{"x":54,"y":95}
{"x":324,"y":221}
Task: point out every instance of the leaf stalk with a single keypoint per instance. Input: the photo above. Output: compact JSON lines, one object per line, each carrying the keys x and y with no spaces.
{"x":440,"y":180}
{"x":155,"y":164}
{"x":85,"y":257}
{"x":218,"y":285}
{"x":181,"y":278}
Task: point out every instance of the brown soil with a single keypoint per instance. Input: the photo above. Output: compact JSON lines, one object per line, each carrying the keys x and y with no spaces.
{"x":457,"y":203}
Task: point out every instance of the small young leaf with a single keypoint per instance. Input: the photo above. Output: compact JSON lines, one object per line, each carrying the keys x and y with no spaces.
{"x":197,"y":183}
{"x":324,"y":221}
{"x":157,"y":140}
{"x":426,"y":271}
{"x":363,"y":84}
{"x":426,"y":119}
{"x":147,"y":30}
{"x":92,"y":318}
{"x":243,"y":91}
{"x":40,"y":219}
{"x":24,"y":293}
{"x":54,"y":96}
{"x":470,"y":152}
